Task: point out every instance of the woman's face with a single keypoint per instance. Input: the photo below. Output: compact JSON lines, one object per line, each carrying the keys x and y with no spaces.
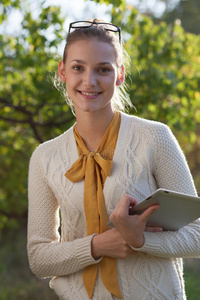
{"x":91,"y":74}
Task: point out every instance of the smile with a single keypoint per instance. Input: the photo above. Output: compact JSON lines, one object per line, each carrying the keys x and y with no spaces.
{"x":90,"y":93}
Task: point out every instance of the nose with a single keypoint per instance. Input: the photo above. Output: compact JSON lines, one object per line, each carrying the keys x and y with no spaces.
{"x":89,"y":78}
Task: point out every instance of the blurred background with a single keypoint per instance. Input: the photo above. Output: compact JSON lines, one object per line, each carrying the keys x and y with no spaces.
{"x":162,"y":38}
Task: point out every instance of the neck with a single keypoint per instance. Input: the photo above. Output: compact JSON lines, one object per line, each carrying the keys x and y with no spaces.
{"x":92,"y":126}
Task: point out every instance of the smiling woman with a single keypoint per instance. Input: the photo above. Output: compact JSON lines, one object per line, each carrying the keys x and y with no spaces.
{"x":96,"y":170}
{"x":111,"y":39}
{"x":90,"y":81}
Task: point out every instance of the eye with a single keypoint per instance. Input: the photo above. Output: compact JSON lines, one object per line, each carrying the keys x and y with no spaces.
{"x":77,"y":68}
{"x":104,"y":70}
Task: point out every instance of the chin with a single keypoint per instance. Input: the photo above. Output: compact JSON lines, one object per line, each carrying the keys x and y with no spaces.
{"x":88,"y":109}
{"x":93,"y":107}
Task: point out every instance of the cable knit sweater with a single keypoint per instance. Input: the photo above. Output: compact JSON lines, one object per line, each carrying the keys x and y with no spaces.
{"x":147,"y":157}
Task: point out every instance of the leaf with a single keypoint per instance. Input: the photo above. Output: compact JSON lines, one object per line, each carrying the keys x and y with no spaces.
{"x":164,"y":79}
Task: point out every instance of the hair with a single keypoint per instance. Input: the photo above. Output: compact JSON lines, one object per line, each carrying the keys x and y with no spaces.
{"x":121,"y":98}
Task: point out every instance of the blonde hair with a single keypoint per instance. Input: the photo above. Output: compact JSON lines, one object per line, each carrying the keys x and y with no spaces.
{"x":121,"y":98}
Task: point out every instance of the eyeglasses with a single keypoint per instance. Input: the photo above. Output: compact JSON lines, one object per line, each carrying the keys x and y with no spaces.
{"x":88,"y":24}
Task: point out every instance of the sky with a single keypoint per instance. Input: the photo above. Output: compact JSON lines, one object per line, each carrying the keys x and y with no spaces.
{"x":72,"y":10}
{"x":75,"y":10}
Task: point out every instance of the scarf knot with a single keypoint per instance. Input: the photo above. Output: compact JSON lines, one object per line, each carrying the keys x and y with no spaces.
{"x":78,"y":170}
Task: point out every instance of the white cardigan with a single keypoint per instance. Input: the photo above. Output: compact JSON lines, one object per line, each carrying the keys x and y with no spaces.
{"x":147,"y":157}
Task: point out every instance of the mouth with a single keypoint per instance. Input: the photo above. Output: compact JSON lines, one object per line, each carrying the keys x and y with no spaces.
{"x":90,"y":93}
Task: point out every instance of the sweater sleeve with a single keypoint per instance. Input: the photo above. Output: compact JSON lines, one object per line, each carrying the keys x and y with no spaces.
{"x":47,"y":255}
{"x":171,"y":172}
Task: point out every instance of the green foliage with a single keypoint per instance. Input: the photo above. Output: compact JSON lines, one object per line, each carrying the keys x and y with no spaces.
{"x":120,"y":4}
{"x":32,"y":111}
{"x":187,"y":12}
{"x":16,"y":279}
{"x":165,"y":71}
{"x":6,"y":6}
{"x":192,"y":280}
{"x":164,"y":83}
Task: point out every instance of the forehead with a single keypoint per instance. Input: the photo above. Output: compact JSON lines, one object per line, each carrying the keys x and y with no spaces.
{"x":91,"y":50}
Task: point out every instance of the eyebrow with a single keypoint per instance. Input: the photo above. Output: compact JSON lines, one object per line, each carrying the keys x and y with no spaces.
{"x":79,"y":61}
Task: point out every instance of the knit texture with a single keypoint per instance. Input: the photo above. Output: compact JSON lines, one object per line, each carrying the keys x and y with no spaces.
{"x":147,"y":157}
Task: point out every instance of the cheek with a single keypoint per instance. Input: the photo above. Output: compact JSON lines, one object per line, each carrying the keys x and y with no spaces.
{"x":110,"y":81}
{"x":70,"y":82}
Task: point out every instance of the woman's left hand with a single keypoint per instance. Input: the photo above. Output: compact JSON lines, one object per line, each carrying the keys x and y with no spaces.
{"x":132,"y":227}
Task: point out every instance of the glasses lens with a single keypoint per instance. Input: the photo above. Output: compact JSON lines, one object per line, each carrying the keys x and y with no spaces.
{"x":81,"y":24}
{"x":109,"y":27}
{"x":87,"y":24}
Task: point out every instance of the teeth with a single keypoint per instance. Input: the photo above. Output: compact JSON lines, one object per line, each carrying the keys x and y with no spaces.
{"x":89,"y":94}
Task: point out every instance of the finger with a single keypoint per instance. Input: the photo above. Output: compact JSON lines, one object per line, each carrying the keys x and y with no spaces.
{"x":133,"y":201}
{"x":121,"y":211}
{"x":148,"y":212}
{"x":125,"y":203}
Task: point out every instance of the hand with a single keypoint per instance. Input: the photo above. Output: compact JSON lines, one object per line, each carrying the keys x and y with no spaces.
{"x":110,"y":243}
{"x":132,"y":227}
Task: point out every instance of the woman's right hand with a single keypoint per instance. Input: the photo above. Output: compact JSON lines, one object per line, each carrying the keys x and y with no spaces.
{"x":110,"y":243}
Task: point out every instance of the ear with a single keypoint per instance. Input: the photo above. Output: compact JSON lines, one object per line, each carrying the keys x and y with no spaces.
{"x":61,"y":71}
{"x":120,"y":77}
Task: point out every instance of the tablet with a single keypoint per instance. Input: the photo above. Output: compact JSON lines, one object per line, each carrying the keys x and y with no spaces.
{"x":176,"y":209}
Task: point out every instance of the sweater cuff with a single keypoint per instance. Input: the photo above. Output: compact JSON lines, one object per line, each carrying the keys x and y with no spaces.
{"x":84,"y":253}
{"x":152,"y":243}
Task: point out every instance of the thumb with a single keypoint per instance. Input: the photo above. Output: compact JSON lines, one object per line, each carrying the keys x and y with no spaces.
{"x":148,"y":212}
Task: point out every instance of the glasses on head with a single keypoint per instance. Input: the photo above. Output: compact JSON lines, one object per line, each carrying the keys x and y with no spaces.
{"x":88,"y":24}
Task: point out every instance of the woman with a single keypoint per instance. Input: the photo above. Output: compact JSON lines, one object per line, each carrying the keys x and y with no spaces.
{"x":95,"y":171}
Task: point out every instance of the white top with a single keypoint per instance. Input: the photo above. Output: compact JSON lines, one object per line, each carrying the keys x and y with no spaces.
{"x":147,"y":157}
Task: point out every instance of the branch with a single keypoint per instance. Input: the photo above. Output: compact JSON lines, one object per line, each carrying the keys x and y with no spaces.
{"x":31,"y":115}
{"x":16,"y":107}
{"x":29,"y":121}
{"x":35,"y":125}
{"x":14,"y":120}
{"x":14,"y":215}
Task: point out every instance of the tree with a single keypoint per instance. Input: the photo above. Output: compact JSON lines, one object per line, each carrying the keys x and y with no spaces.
{"x":164,"y":83}
{"x":188,"y":12}
{"x":31,"y":109}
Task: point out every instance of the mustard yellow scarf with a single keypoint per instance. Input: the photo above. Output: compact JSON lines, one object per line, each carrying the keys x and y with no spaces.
{"x":95,"y":167}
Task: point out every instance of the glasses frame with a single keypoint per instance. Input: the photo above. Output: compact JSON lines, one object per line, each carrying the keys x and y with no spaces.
{"x":91,"y":23}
